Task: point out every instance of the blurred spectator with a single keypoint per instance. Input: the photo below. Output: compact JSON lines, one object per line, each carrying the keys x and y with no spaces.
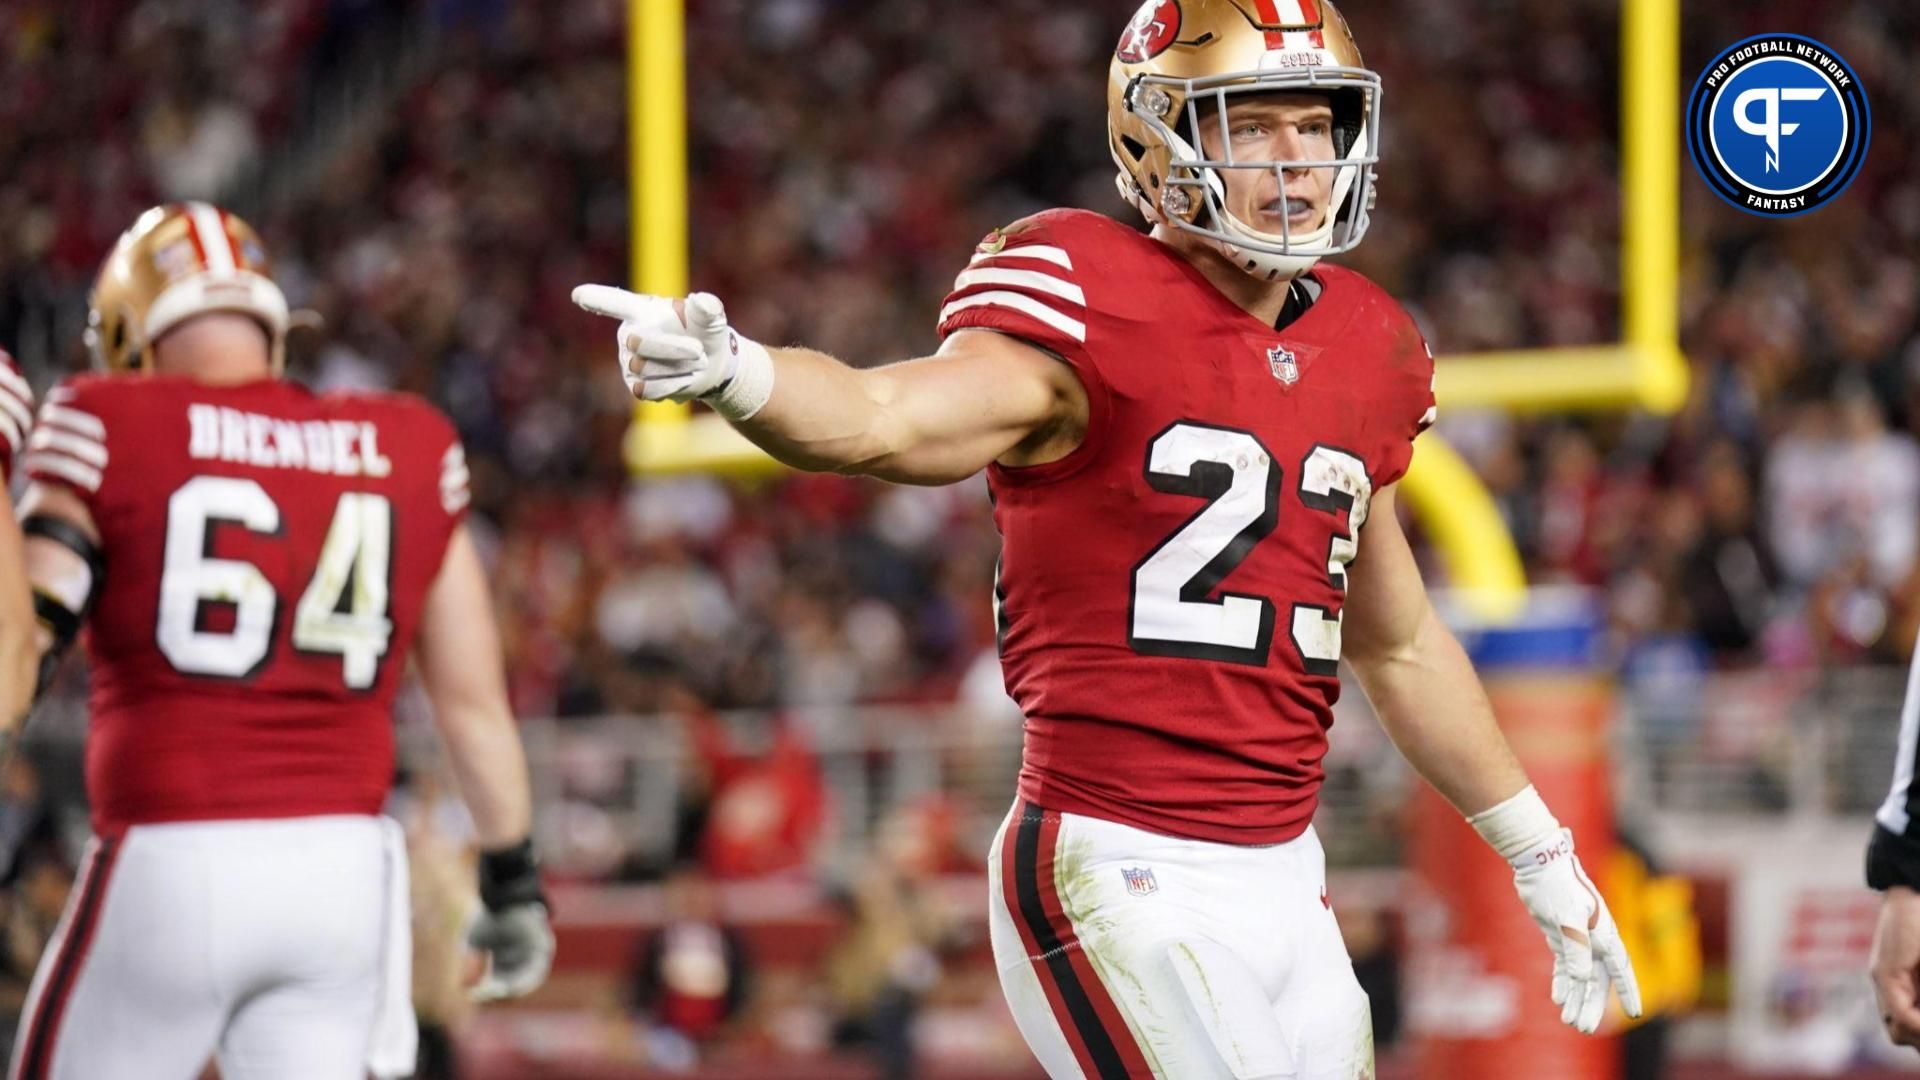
{"x":692,"y":975}
{"x":1728,"y":573}
{"x":37,"y":876}
{"x":1369,"y":935}
{"x":889,"y":955}
{"x":766,"y":809}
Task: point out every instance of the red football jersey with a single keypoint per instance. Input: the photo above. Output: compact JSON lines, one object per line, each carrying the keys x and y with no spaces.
{"x":268,"y":552}
{"x":16,"y":415}
{"x":1169,"y":593}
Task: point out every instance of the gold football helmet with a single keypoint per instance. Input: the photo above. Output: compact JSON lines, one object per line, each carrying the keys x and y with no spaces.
{"x":178,"y":261}
{"x":1177,"y":57}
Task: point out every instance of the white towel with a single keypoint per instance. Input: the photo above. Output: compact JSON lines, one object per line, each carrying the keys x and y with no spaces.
{"x":396,"y":1036}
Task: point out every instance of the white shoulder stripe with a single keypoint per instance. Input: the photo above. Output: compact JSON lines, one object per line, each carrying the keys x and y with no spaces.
{"x":12,"y":380}
{"x":1432,"y":414}
{"x":454,"y":480}
{"x":57,"y":464}
{"x":1026,"y":305}
{"x":10,"y":431}
{"x":87,"y":450}
{"x":74,"y":420}
{"x":1025,"y":279}
{"x":1055,"y":255}
{"x":21,"y":411}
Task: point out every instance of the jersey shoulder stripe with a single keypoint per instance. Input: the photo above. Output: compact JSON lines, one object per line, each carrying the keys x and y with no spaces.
{"x":1013,"y":303}
{"x":16,"y":410}
{"x":57,"y":440}
{"x":78,"y":421}
{"x":1025,"y":281}
{"x":1029,"y":280}
{"x":1044,"y":252}
{"x":69,"y":444}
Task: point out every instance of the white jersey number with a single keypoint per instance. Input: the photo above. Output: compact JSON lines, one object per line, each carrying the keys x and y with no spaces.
{"x":1331,"y":480}
{"x":1175,"y":611}
{"x":343,"y":611}
{"x":192,"y":578}
{"x":1172,"y":615}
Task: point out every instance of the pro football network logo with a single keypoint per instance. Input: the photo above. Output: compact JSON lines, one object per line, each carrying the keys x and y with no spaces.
{"x":1778,"y":125}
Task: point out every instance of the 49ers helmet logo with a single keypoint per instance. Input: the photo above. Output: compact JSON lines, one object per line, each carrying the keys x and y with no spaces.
{"x":1150,"y":32}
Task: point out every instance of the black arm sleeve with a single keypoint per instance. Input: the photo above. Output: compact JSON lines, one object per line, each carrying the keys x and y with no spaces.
{"x":1893,"y":855}
{"x":1892,"y":859}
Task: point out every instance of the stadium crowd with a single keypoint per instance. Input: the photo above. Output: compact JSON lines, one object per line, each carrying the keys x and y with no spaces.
{"x":846,"y":156}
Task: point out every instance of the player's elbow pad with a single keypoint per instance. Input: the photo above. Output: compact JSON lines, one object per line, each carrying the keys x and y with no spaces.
{"x":60,"y":615}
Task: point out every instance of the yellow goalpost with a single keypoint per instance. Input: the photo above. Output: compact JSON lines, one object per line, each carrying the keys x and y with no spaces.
{"x":1645,"y":370}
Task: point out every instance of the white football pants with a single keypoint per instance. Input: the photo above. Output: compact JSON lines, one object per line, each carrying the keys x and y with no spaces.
{"x":267,"y":942}
{"x":1126,"y":955}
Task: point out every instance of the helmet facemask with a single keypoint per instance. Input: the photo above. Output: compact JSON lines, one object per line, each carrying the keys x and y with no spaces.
{"x":1194,"y":198}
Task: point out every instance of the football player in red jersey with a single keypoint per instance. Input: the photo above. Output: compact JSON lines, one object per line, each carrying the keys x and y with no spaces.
{"x":253,"y":564}
{"x":17,"y":653}
{"x":1191,"y":437}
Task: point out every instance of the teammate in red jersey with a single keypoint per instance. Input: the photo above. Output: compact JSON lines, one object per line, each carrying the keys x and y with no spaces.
{"x":1191,"y":438}
{"x":253,"y":563}
{"x":17,"y":652}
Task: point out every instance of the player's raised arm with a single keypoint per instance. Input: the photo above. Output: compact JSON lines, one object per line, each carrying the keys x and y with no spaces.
{"x":983,"y":397}
{"x":1431,"y":703}
{"x":461,"y":667}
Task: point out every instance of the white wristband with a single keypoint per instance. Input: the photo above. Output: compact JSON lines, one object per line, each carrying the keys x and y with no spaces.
{"x":1514,"y":826}
{"x":751,"y":385}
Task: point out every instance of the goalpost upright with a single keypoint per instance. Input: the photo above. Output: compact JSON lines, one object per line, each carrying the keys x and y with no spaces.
{"x":1644,"y":370}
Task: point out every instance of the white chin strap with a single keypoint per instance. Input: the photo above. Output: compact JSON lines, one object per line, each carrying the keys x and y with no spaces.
{"x":1268,"y":264}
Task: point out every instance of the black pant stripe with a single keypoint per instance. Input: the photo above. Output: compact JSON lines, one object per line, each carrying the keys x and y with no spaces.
{"x":73,"y":952}
{"x":1026,"y":856}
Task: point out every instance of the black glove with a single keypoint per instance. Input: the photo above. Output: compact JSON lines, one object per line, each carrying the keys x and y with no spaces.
{"x":512,"y":930}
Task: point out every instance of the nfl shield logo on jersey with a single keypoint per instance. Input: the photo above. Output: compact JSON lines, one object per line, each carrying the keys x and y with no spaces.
{"x":1285,"y":367}
{"x":1139,"y":880}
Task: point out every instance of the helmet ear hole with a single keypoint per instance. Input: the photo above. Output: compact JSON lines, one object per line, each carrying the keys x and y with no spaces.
{"x":1134,"y":147}
{"x":1349,"y":119}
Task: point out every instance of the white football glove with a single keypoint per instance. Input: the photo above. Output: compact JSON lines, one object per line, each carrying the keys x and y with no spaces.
{"x":1588,"y":955}
{"x":666,"y":355}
